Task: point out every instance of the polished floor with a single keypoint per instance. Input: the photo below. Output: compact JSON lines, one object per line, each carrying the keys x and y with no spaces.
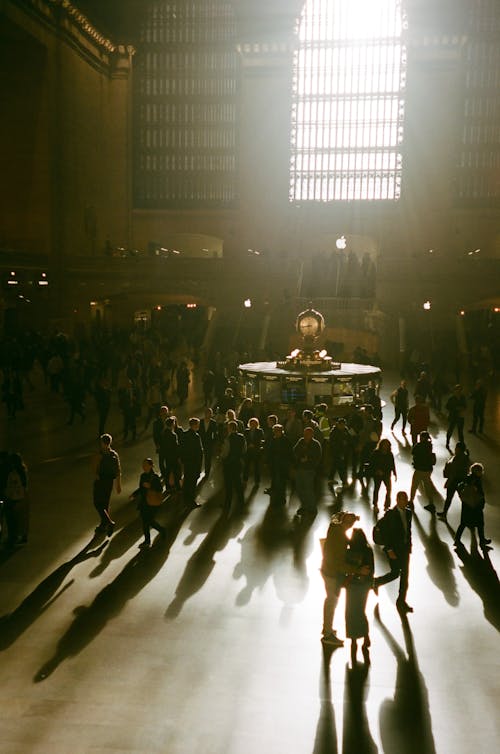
{"x":209,"y":643}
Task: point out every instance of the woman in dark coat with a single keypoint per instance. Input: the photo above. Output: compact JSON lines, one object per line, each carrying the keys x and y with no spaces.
{"x":357,"y":587}
{"x":472,"y":496}
{"x":381,"y":468}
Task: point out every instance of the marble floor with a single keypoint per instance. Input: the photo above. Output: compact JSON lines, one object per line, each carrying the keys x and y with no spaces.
{"x":209,"y":642}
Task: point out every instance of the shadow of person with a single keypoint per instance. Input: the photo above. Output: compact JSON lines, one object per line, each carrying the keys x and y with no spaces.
{"x":405,"y":720}
{"x":120,"y":543}
{"x":110,"y":601}
{"x":14,"y":624}
{"x":356,"y":738}
{"x":325,"y":740}
{"x":440,"y":563}
{"x":201,"y":563}
{"x":260,"y":548}
{"x":203,"y":521}
{"x":483,"y":579}
{"x":404,"y":448}
{"x":273,"y":532}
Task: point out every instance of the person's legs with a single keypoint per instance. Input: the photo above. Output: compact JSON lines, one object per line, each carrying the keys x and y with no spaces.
{"x":377,"y":481}
{"x":388,"y":489}
{"x":415,"y":481}
{"x":391,"y":575}
{"x":428,"y":487}
{"x":449,"y":432}
{"x":332,"y":588}
{"x":460,"y":428}
{"x":404,"y":563}
{"x":144,"y":511}
{"x":458,"y":534}
{"x":450,"y":491}
{"x":404,"y":414}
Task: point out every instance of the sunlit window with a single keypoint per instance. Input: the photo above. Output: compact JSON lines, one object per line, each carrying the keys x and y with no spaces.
{"x":347,"y":114}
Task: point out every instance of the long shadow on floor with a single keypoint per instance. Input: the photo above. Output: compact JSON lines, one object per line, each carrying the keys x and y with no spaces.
{"x":201,"y":563}
{"x":440,"y":563}
{"x":405,"y":720}
{"x":482,"y":577}
{"x":40,"y":599}
{"x":325,"y":740}
{"x":261,"y":550}
{"x":357,"y":738}
{"x":90,"y":621}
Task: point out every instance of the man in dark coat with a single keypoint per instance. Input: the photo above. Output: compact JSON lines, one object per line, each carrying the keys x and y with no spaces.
{"x":307,"y":453}
{"x":209,"y":438}
{"x":233,"y":453}
{"x":192,"y":459}
{"x":254,"y":437}
{"x":170,"y":455}
{"x":396,"y":533}
{"x":280,"y":458}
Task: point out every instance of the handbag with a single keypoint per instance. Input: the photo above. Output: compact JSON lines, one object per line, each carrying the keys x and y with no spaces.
{"x":154,"y":498}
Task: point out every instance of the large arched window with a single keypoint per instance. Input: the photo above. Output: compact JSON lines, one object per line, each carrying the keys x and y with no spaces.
{"x":347,"y":115}
{"x":186,"y":105}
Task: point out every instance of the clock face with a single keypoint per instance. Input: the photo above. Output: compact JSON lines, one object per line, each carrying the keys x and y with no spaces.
{"x":308,"y":325}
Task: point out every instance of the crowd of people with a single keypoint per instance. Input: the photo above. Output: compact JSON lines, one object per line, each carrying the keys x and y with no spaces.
{"x":294,"y":452}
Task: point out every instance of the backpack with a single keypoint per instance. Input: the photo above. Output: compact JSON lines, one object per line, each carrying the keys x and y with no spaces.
{"x":379,"y":531}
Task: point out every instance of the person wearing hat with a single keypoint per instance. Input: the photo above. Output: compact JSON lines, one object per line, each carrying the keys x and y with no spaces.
{"x":335,"y":567}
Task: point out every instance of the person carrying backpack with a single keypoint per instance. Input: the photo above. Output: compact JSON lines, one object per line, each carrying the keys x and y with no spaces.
{"x":471,"y":494}
{"x":393,"y":532}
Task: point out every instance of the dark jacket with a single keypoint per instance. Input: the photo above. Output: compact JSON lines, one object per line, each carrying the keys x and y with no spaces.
{"x":208,"y":434}
{"x":307,"y":454}
{"x":233,"y":451}
{"x":254,"y":439}
{"x":191,"y":450}
{"x":424,"y":457}
{"x":395,"y":537}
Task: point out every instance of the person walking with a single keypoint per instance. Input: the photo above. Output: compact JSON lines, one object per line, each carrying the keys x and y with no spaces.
{"x":254,"y":437}
{"x":149,"y":497}
{"x":472,"y":515}
{"x":339,"y":443}
{"x":399,"y":398}
{"x":232,"y":454}
{"x":192,"y":459}
{"x":170,"y":456}
{"x":455,"y":406}
{"x":396,"y":531}
{"x":209,"y":438}
{"x":418,"y":418}
{"x":382,"y":469}
{"x":280,"y":458}
{"x":307,"y":453}
{"x":424,"y":460}
{"x":455,"y":471}
{"x":107,"y":470}
{"x":335,"y":567}
{"x":359,"y":554}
